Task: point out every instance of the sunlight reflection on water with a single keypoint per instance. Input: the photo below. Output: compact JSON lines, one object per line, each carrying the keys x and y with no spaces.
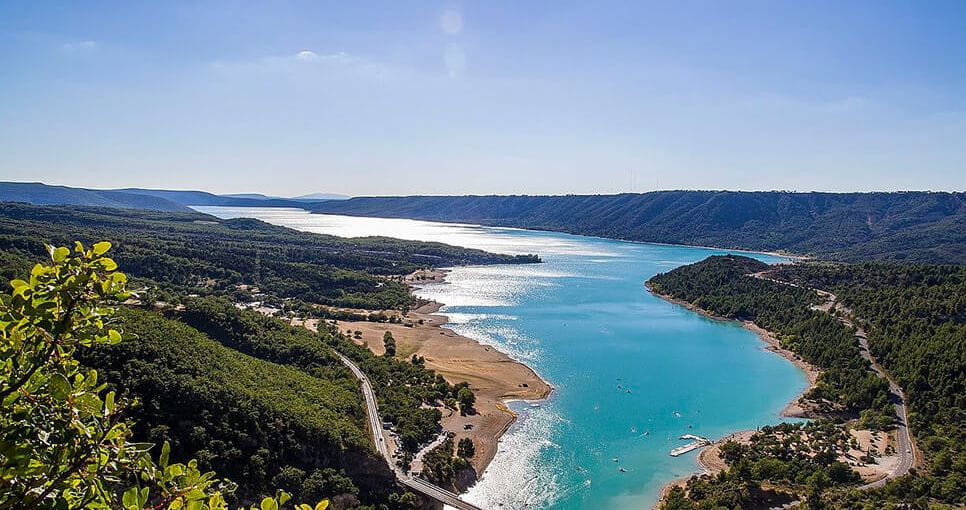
{"x":493,"y":239}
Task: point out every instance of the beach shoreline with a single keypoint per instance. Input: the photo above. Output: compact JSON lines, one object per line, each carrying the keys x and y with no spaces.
{"x":795,"y":408}
{"x":495,"y":377}
{"x":708,"y":460}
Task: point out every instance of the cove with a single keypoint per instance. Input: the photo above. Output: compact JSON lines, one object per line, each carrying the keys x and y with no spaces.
{"x":631,"y":372}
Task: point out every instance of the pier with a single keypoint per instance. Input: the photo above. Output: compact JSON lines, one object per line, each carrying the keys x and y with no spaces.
{"x":696,"y":442}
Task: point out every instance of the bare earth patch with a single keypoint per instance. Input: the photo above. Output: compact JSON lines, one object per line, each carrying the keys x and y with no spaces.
{"x":494,"y":377}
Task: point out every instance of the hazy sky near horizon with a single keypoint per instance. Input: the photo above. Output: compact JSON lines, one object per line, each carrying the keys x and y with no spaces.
{"x":400,"y":97}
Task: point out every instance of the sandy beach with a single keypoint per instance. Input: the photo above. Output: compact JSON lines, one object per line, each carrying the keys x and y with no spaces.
{"x":494,"y":377}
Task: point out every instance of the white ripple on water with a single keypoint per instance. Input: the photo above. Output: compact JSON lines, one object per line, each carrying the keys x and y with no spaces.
{"x":502,"y":338}
{"x":515,"y":271}
{"x":484,"y":287}
{"x":467,"y":318}
{"x":518,"y":477}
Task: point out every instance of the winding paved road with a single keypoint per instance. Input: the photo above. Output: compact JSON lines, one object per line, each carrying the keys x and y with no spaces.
{"x":375,"y":423}
{"x":372,"y":411}
{"x":905,"y":445}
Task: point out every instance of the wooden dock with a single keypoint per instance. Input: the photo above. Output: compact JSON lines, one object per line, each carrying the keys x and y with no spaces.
{"x":696,"y":442}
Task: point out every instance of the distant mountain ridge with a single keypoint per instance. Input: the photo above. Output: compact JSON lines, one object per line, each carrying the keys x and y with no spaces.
{"x":902,"y":226}
{"x":256,"y":196}
{"x":321,"y":196}
{"x":190,"y":197}
{"x":141,"y":198}
{"x":913,"y":226}
{"x":311,"y":197}
{"x":43,"y":194}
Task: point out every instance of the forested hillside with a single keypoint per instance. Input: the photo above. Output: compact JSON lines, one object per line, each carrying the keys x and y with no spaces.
{"x":262,"y":424}
{"x":264,"y":403}
{"x":905,"y":226}
{"x":66,"y":439}
{"x":916,"y":322}
{"x":915,"y":316}
{"x":271,"y":339}
{"x":177,"y":254}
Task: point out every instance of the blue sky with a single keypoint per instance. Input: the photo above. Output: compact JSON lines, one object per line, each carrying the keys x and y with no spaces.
{"x":396,"y":97}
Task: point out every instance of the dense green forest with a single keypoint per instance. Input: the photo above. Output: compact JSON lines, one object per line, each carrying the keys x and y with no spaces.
{"x":916,"y":321}
{"x":261,"y":424}
{"x":263,"y":403}
{"x":267,"y":404}
{"x":914,"y":315}
{"x":401,"y":387}
{"x":178,"y":254}
{"x":907,"y":226}
{"x":67,"y":440}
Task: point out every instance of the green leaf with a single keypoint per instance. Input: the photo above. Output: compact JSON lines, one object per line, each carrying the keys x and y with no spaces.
{"x":109,"y":402}
{"x":268,"y":504}
{"x":101,"y":248}
{"x":59,"y":254}
{"x":11,"y":398}
{"x":195,"y":494}
{"x":130,"y":499}
{"x":59,"y":386}
{"x":322,"y":505}
{"x":114,"y":337}
{"x":165,"y":453}
{"x":108,"y":264}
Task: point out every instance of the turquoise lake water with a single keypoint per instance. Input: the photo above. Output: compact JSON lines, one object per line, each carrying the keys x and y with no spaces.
{"x":584,"y":321}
